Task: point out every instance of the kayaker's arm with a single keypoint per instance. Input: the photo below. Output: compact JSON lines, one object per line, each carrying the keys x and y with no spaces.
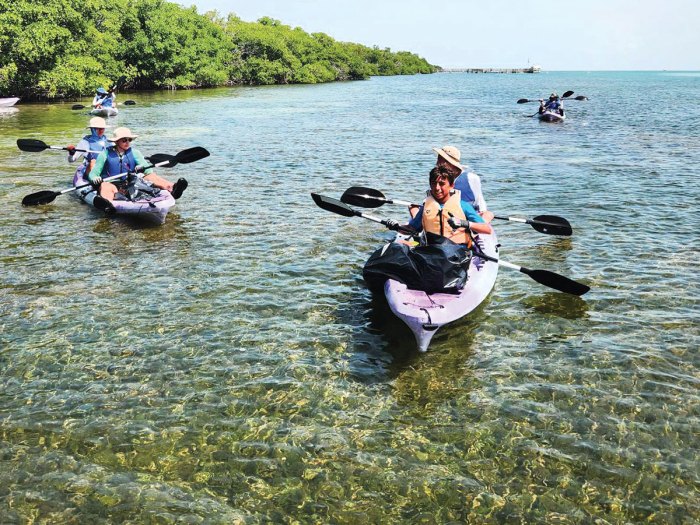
{"x":141,"y":161}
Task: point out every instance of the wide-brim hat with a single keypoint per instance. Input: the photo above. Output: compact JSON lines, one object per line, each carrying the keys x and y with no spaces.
{"x":122,"y":133}
{"x":97,"y":122}
{"x":101,"y":91}
{"x":450,"y":154}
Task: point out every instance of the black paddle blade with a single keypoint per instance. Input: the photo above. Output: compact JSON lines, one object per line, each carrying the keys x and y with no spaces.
{"x":556,"y":281}
{"x":32,"y":145}
{"x":40,"y":197}
{"x":581,"y":97}
{"x":190,"y":155}
{"x":129,"y":103}
{"x":332,"y":205}
{"x":363,"y":197}
{"x":551,"y":225}
{"x":523,"y":100}
{"x":77,"y":106}
{"x":567,"y":94}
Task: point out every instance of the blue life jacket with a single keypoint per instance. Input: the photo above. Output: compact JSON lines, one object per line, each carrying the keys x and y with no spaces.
{"x":462,"y":184}
{"x":115,"y":164}
{"x":96,"y":144}
{"x":552,"y":105}
{"x":107,"y":102}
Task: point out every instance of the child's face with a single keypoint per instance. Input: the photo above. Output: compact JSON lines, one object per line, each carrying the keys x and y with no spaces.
{"x":440,"y":189}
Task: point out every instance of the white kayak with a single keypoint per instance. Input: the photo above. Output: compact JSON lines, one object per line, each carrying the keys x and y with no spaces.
{"x":105,"y":112}
{"x":8,"y":102}
{"x":151,"y":210}
{"x":551,"y":116}
{"x":425,"y":313}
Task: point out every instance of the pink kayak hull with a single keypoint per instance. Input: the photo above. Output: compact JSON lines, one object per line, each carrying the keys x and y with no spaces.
{"x":425,"y":313}
{"x":152,"y":211}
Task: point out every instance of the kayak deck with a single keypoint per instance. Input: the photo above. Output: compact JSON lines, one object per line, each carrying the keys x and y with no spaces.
{"x":425,"y":313}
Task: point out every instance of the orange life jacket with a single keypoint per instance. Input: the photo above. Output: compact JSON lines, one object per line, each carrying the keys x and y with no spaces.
{"x":436,"y":215}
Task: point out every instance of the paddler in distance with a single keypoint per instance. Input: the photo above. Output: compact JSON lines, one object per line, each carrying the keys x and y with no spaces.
{"x":122,"y":158}
{"x":445,"y":213}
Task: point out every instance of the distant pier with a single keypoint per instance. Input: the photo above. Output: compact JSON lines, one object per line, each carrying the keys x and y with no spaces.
{"x":533,"y":69}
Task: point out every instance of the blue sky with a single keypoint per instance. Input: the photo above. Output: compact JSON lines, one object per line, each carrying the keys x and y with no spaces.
{"x":574,"y":35}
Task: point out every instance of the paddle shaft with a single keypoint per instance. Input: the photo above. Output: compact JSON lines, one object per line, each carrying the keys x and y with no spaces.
{"x":544,"y":277}
{"x":527,"y":221}
{"x":74,"y":149}
{"x":109,"y":179}
{"x":369,"y":197}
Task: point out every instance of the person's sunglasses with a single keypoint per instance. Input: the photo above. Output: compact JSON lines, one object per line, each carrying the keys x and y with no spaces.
{"x":126,"y":139}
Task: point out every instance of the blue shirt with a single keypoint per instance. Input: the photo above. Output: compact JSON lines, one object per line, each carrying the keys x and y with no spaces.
{"x":468,"y":209}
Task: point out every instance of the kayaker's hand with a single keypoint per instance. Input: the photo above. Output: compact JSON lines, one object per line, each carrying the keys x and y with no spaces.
{"x":95,"y":180}
{"x":392,"y":225}
{"x":71,"y":149}
{"x":458,"y":223}
{"x":138,"y":169}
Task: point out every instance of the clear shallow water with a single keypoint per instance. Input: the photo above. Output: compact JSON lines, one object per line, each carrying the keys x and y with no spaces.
{"x":230,"y":366}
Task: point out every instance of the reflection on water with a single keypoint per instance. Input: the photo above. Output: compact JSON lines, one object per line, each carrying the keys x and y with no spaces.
{"x":230,"y":366}
{"x":558,"y":304}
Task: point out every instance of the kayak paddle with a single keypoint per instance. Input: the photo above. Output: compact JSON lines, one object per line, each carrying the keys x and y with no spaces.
{"x":545,"y":277}
{"x":184,"y":157}
{"x":566,"y":95}
{"x":371,"y":198}
{"x":335,"y":206}
{"x":35,"y":145}
{"x":125,"y":103}
{"x":119,"y":83}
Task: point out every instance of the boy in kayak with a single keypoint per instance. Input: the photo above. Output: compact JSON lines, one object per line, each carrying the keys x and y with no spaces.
{"x":445,"y":213}
{"x":95,"y":142}
{"x":122,"y":158}
{"x":466,"y":181}
{"x":554,"y":104}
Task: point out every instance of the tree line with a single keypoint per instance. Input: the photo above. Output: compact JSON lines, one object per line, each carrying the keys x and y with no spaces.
{"x":52,"y":49}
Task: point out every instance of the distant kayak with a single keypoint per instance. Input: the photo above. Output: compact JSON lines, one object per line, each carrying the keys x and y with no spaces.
{"x":7,"y":102}
{"x":146,"y":208}
{"x":105,"y":112}
{"x":425,"y":313}
{"x":551,"y":116}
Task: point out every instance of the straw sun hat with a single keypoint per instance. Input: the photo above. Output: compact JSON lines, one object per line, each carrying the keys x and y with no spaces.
{"x":122,"y":133}
{"x":97,"y":122}
{"x":450,"y":154}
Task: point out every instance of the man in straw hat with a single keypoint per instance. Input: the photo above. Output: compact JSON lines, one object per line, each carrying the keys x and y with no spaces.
{"x":122,"y":158}
{"x":93,"y":144}
{"x":467,"y":182}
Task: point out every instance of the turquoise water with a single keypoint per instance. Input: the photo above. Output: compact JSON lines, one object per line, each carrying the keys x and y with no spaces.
{"x":231,"y":367}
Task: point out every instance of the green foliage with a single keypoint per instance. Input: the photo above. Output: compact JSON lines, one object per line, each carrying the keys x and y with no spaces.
{"x":64,"y":48}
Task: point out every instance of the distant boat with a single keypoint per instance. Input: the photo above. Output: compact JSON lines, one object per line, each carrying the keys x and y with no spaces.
{"x":533,"y":69}
{"x":7,"y":102}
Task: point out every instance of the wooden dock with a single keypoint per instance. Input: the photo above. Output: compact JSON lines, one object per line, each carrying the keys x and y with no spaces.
{"x":533,"y":69}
